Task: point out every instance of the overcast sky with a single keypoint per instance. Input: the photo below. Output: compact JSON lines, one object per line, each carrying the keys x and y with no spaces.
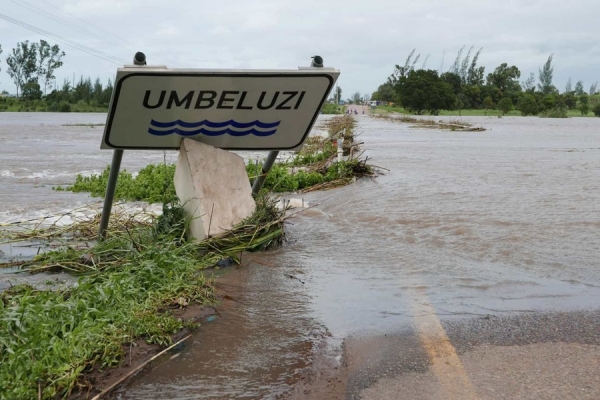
{"x":363,"y":39}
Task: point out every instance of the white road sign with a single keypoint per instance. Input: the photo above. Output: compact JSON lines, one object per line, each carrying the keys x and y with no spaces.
{"x":154,"y":108}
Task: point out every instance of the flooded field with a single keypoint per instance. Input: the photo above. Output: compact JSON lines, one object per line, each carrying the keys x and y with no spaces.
{"x":468,"y":224}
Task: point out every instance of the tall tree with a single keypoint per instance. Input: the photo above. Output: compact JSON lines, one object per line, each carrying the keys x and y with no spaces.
{"x":528,"y":85}
{"x":584,"y":104}
{"x":593,"y":90}
{"x":31,"y":90}
{"x":454,"y":81}
{"x":356,"y":99}
{"x":424,"y":90}
{"x":384,"y":92}
{"x":570,"y":100}
{"x":505,"y":78}
{"x":107,"y":93}
{"x":527,"y":105}
{"x":83,"y":91}
{"x":579,"y":88}
{"x":545,"y":77}
{"x":568,"y":87}
{"x":464,"y":65}
{"x":53,"y":61}
{"x":22,"y":63}
{"x":98,"y":91}
{"x":505,"y":105}
{"x":475,"y":75}
{"x":43,"y":52}
{"x":338,"y":93}
{"x":403,"y":71}
{"x":456,"y":64}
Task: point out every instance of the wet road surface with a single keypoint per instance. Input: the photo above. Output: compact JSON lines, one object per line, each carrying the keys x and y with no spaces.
{"x":470,"y":270}
{"x":360,"y":110}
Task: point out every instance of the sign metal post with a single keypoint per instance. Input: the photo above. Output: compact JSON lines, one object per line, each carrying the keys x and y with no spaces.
{"x":154,"y":108}
{"x":115,"y":166}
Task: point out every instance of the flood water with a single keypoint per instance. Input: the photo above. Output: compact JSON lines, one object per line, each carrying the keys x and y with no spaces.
{"x":499,"y":222}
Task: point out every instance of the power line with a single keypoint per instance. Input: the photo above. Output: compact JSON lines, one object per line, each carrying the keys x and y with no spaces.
{"x":81,"y":47}
{"x":62,"y":21}
{"x":85,"y":49}
{"x":89,"y":23}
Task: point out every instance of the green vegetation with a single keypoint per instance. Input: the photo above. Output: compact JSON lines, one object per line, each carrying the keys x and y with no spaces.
{"x":23,"y":105}
{"x":554,"y":113}
{"x":154,"y":184}
{"x":470,"y":112}
{"x":331,"y":108}
{"x":465,"y":113}
{"x":465,"y":87}
{"x":31,"y":67}
{"x":85,"y":96}
{"x":584,"y":104}
{"x":423,"y":90}
{"x":527,"y":105}
{"x":131,"y":288}
{"x":133,"y":285}
{"x":33,"y":64}
{"x":450,"y":124}
{"x":312,"y":167}
{"x":505,"y":105}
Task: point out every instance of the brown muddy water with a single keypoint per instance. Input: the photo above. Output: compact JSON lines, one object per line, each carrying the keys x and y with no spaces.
{"x":501,"y":222}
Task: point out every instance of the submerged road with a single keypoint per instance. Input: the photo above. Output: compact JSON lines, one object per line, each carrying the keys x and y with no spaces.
{"x":360,"y":110}
{"x":468,"y":271}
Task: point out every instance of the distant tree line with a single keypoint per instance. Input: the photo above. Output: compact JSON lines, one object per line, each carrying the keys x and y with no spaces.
{"x":465,"y":86}
{"x":32,"y":67}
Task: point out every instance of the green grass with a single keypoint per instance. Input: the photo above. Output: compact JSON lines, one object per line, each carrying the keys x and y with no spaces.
{"x":470,"y":113}
{"x":329,"y":108}
{"x":154,"y":184}
{"x":20,"y":105}
{"x":133,"y":283}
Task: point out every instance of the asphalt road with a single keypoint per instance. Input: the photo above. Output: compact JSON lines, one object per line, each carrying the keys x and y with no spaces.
{"x":531,"y":356}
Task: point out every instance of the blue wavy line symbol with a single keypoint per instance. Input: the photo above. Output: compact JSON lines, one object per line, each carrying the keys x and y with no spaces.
{"x":209,"y":128}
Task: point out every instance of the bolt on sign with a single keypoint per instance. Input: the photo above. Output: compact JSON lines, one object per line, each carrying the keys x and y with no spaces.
{"x":154,"y":108}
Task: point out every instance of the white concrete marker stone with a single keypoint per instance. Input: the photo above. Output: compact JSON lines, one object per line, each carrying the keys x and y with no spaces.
{"x":212,"y":181}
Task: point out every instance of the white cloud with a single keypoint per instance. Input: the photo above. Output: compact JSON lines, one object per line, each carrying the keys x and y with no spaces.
{"x":363,"y":39}
{"x":95,"y":8}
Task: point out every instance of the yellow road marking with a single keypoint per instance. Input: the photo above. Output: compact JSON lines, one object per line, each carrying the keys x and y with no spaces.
{"x":446,"y":364}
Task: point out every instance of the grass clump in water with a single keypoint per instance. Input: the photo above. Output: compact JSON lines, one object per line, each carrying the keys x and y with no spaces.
{"x":154,"y":184}
{"x":132,"y":283}
{"x":313,"y":167}
{"x":452,"y":124}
